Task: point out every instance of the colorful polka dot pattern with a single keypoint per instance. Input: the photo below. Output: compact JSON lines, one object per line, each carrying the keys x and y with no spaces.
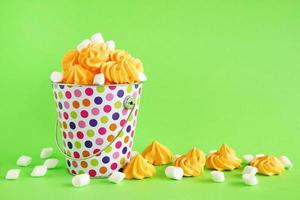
{"x":91,"y":118}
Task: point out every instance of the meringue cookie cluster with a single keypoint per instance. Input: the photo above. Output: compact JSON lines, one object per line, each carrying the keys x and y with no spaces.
{"x":98,"y":62}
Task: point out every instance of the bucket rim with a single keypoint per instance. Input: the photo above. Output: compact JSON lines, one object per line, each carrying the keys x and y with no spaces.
{"x":90,"y":85}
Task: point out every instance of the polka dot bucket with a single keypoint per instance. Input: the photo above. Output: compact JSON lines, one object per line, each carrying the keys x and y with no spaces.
{"x":97,"y":125}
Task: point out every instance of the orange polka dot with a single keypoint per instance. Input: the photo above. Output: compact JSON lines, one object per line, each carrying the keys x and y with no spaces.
{"x":110,"y":138}
{"x":85,"y":154}
{"x":102,"y":170}
{"x":75,"y":104}
{"x":65,"y":125}
{"x":86,"y":102}
{"x":126,"y":139}
{"x":113,"y":127}
{"x":83,"y":164}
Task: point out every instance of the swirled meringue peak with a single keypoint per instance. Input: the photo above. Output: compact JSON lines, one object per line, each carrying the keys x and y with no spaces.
{"x":268,"y":165}
{"x":198,"y":154}
{"x":139,"y":168}
{"x":157,"y":154}
{"x":190,"y":165}
{"x":224,"y":159}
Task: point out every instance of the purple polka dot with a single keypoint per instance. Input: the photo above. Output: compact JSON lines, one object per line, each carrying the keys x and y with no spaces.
{"x":120,"y":93}
{"x":107,"y":108}
{"x":128,"y":129}
{"x":70,"y":145}
{"x":105,"y":159}
{"x":136,"y":86}
{"x":93,"y":122}
{"x":102,"y":131}
{"x":115,"y":116}
{"x":98,"y":100}
{"x":88,"y":144}
{"x":59,"y":105}
{"x":89,"y":91}
{"x":124,"y":150}
{"x":61,"y":86}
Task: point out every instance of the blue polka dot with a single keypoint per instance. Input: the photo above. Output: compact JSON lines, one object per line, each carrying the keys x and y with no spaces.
{"x":59,"y":105}
{"x":88,"y":144}
{"x":136,"y":85}
{"x":70,"y":145}
{"x":61,"y":86}
{"x":105,"y":159}
{"x":72,"y":125}
{"x":128,"y":129}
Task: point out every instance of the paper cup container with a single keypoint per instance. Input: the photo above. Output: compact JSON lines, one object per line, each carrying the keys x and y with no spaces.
{"x":98,"y":126}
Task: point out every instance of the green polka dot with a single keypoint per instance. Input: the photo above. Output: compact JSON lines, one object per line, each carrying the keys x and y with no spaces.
{"x":68,"y":153}
{"x":104,"y":119}
{"x":94,"y":162}
{"x":100,"y":89}
{"x":118,"y":104}
{"x":73,"y":115}
{"x":130,"y":117}
{"x":90,"y":133}
{"x":121,"y":134}
{"x":60,"y":94}
{"x":108,"y":149}
{"x":122,"y":161}
{"x":77,"y":144}
{"x":129,"y":88}
{"x":80,"y":172}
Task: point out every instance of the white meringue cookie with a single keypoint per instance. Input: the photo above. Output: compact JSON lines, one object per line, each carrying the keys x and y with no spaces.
{"x":97,"y":38}
{"x":83,"y":44}
{"x":99,"y":79}
{"x":111,"y":45}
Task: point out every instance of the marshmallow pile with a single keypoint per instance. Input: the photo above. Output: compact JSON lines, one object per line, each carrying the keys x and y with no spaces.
{"x":38,"y":170}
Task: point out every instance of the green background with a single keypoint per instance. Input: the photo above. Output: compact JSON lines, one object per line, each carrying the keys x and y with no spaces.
{"x":219,"y":72}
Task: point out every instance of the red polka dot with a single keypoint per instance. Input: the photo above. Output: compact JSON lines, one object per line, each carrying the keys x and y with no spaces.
{"x":79,"y":135}
{"x":76,"y":154}
{"x":123,"y":122}
{"x":118,"y":144}
{"x":107,"y":108}
{"x":92,"y":173}
{"x":68,"y":95}
{"x":84,"y":113}
{"x":114,"y":166}
{"x":74,"y":163}
{"x":96,"y":152}
{"x":102,"y":131}
{"x":89,"y":91}
{"x":66,"y":116}
{"x":73,"y":172}
{"x":65,"y":135}
{"x":112,"y":87}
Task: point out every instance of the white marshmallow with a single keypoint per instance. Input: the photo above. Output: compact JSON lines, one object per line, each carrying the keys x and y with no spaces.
{"x":259,"y":155}
{"x":97,"y":38}
{"x":248,"y":158}
{"x":39,"y":170}
{"x":142,"y":76}
{"x":56,"y":77}
{"x":83,"y":44}
{"x":217,"y":176}
{"x":24,"y":161}
{"x":286,"y":161}
{"x":99,"y":79}
{"x":81,"y":180}
{"x":46,"y":152}
{"x":175,"y":157}
{"x":116,"y":177}
{"x":12,"y":174}
{"x":174,"y":172}
{"x":133,"y":154}
{"x":250,"y":170}
{"x":212,"y":151}
{"x":51,"y":163}
{"x":250,"y":179}
{"x":111,"y":45}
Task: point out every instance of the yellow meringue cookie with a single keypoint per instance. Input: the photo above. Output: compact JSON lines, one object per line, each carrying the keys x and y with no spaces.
{"x":190,"y":165}
{"x":268,"y":165}
{"x":157,"y":154}
{"x":139,"y":168}
{"x":198,"y":154}
{"x":224,"y":159}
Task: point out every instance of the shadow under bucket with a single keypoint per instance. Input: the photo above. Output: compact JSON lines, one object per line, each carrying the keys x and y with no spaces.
{"x":98,"y":124}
